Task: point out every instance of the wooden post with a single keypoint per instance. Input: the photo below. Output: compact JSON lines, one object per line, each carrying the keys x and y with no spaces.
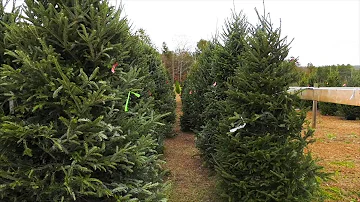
{"x":314,"y":109}
{"x":11,"y":106}
{"x":338,"y":95}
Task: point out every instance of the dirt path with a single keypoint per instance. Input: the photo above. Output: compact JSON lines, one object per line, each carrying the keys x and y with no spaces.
{"x":191,"y":181}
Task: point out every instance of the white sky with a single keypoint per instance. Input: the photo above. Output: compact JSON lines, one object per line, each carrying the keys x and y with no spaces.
{"x":325,"y":32}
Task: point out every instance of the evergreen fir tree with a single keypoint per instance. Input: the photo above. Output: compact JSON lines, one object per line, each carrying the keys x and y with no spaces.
{"x":162,"y":92}
{"x":6,"y":19}
{"x":262,"y":158}
{"x":222,"y":63}
{"x":195,"y":86}
{"x":75,"y":67}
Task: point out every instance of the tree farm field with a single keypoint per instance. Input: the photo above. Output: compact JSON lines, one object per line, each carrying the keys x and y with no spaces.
{"x":190,"y":179}
{"x":337,"y":147}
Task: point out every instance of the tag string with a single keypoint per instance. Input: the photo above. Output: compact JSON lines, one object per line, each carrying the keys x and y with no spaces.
{"x":128,"y":98}
{"x":238,"y":127}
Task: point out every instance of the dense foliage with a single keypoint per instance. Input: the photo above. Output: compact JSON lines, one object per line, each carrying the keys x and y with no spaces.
{"x":192,"y":92}
{"x":320,"y":75}
{"x":222,"y":65}
{"x":6,"y":19}
{"x":163,"y":93}
{"x":246,"y":123}
{"x":264,"y":159}
{"x":75,"y":68}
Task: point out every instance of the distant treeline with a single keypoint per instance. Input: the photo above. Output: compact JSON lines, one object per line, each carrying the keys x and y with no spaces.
{"x":331,"y":76}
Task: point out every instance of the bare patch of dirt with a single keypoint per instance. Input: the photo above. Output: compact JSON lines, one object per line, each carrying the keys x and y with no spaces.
{"x":338,"y":148}
{"x":191,"y":181}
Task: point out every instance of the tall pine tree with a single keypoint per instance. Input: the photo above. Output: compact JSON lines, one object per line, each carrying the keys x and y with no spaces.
{"x":162,"y":91}
{"x":193,"y":92}
{"x":262,"y":157}
{"x":79,"y":131}
{"x":6,"y":19}
{"x":222,"y":63}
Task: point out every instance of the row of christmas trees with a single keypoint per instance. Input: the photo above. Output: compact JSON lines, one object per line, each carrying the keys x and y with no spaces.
{"x":246,"y":123}
{"x":84,"y":105}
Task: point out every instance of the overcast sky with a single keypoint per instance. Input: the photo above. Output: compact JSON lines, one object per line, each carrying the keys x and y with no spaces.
{"x":324,"y":32}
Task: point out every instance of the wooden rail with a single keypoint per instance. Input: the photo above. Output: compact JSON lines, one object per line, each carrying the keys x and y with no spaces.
{"x":338,"y":95}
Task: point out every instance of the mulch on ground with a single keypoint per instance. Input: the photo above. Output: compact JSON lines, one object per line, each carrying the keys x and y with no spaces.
{"x":338,"y":148}
{"x":191,"y":180}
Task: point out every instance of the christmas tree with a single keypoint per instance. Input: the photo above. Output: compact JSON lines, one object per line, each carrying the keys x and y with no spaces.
{"x":222,"y":62}
{"x":84,"y":127}
{"x":6,"y":19}
{"x":162,"y":92}
{"x":261,"y":157}
{"x":194,"y":90}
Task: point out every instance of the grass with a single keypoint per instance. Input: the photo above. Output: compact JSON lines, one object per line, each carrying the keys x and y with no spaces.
{"x":320,"y":139}
{"x":353,"y":135}
{"x":347,"y":164}
{"x":331,"y":136}
{"x":333,"y":193}
{"x":198,"y":193}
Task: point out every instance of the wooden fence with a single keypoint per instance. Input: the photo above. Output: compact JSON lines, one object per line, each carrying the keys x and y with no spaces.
{"x":338,"y":95}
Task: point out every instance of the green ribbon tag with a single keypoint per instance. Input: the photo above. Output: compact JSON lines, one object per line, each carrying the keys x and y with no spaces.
{"x":128,"y":98}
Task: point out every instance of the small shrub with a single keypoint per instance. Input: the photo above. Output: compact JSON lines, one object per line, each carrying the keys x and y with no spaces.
{"x":177,"y":87}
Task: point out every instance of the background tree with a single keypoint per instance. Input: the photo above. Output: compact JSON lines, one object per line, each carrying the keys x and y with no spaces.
{"x":201,"y":46}
{"x":194,"y":89}
{"x":167,"y":58}
{"x":183,"y":60}
{"x":309,"y":76}
{"x":222,"y":64}
{"x":177,"y":62}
